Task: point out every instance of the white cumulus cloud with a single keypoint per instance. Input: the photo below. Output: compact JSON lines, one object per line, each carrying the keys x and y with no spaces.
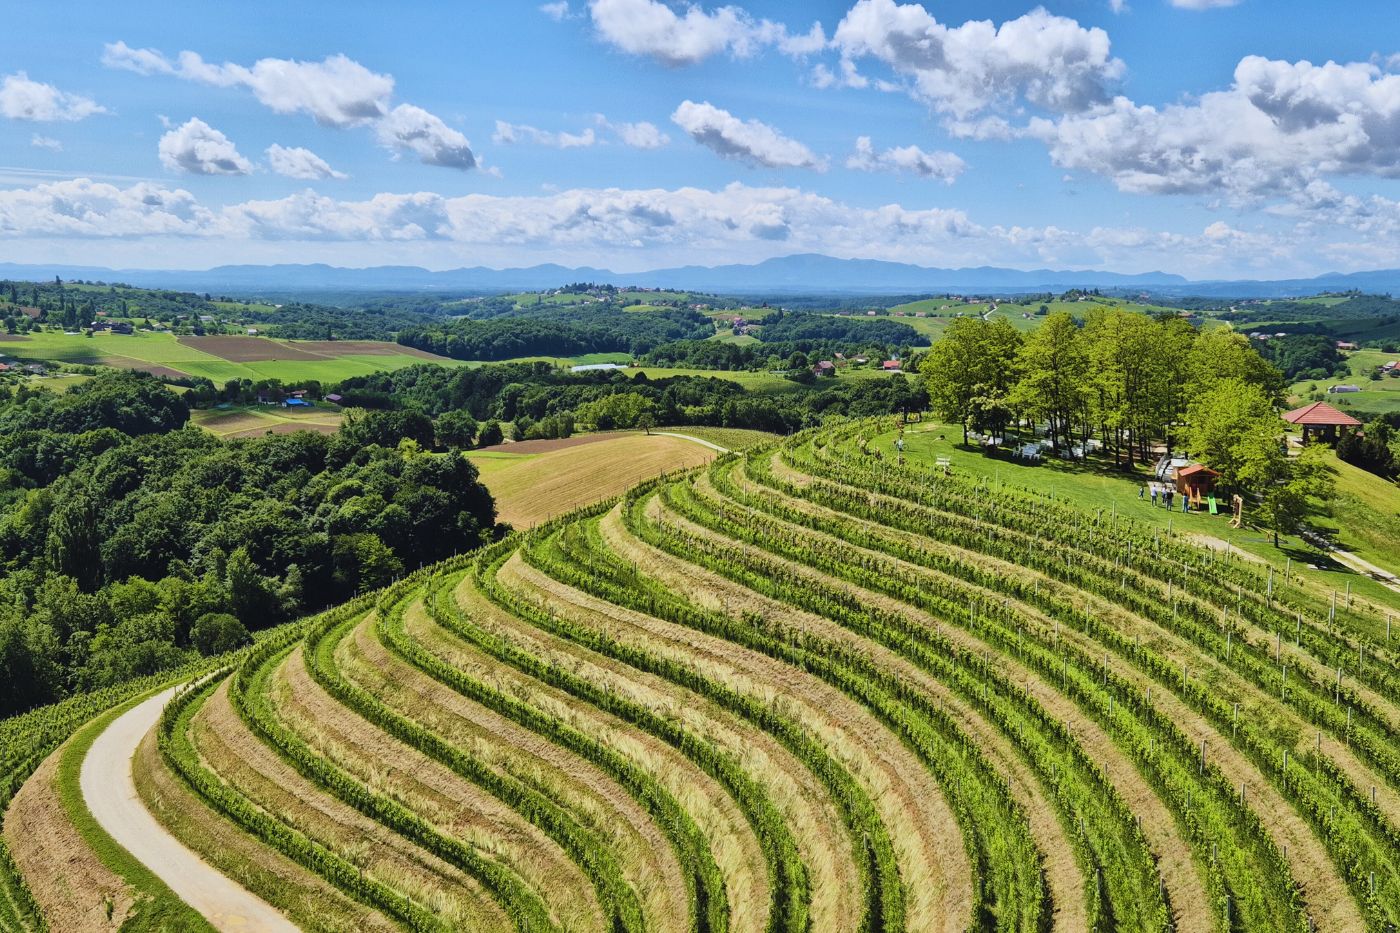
{"x":84,"y":208}
{"x":748,"y":141}
{"x":1290,"y":124}
{"x":199,"y":149}
{"x":45,"y":142}
{"x":1048,"y":61}
{"x":22,"y":98}
{"x":337,"y":91}
{"x":654,"y":29}
{"x":640,"y":135}
{"x":940,"y":165}
{"x":415,"y":130}
{"x":736,"y":223}
{"x":299,"y":162}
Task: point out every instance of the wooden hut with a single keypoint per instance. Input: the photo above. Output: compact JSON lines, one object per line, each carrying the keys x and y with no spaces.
{"x":1196,"y":482}
{"x":1320,"y":421}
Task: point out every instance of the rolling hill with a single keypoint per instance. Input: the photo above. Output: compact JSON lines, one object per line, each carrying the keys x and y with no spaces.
{"x":808,"y":687}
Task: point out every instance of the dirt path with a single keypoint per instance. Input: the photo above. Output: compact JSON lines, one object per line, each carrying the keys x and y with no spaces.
{"x":110,"y":793}
{"x":691,"y":437}
{"x":1365,"y":567}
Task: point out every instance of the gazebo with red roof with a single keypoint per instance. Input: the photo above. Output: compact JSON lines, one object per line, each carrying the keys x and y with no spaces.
{"x":1320,"y":421}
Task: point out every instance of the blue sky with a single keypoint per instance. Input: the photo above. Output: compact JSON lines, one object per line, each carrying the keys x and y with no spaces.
{"x":1258,"y":138}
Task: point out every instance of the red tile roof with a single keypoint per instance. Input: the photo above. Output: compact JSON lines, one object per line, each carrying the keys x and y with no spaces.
{"x":1320,"y":413}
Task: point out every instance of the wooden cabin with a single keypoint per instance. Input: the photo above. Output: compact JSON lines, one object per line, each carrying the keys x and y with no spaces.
{"x":1196,"y":482}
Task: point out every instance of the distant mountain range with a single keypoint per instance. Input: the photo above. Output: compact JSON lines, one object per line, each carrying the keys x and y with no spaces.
{"x":804,"y":274}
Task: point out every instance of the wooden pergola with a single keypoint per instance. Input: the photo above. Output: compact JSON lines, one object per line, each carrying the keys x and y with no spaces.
{"x":1320,"y":421}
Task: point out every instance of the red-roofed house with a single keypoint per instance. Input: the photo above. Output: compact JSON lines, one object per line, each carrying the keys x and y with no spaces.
{"x":890,"y":365}
{"x":1320,"y":420}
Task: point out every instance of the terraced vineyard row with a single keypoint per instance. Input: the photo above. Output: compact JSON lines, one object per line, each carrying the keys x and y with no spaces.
{"x":803,"y":690}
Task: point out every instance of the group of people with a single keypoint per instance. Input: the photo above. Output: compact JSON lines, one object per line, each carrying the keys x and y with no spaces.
{"x":1166,"y":493}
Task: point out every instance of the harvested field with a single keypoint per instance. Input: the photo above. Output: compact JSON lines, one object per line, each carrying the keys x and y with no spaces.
{"x":255,"y":422}
{"x":334,"y":348}
{"x":548,"y":446}
{"x":248,"y":349}
{"x":529,"y":491}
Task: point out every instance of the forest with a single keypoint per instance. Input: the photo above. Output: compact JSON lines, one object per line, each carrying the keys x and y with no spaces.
{"x":569,"y":332}
{"x":1139,"y":384}
{"x":539,"y":400}
{"x":129,"y":544}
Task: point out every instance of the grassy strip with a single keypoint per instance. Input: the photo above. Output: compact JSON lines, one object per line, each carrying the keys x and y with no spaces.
{"x":308,"y":900}
{"x":619,"y":902}
{"x":1109,"y":846}
{"x":791,"y":896}
{"x":705,"y":884}
{"x":1358,"y":838}
{"x":250,"y":697}
{"x":873,"y":850}
{"x":1010,"y":888}
{"x":157,"y":907}
{"x":183,"y":758}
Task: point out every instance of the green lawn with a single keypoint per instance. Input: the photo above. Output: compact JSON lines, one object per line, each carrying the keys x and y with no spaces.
{"x":1378,"y":397}
{"x":59,"y":382}
{"x":1366,"y":515}
{"x":164,"y":350}
{"x":764,"y":383}
{"x":1098,"y":486}
{"x":740,"y":340}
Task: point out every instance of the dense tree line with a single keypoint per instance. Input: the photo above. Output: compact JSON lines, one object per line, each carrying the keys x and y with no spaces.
{"x":1133,"y":381}
{"x":127,"y":542}
{"x":789,"y":328}
{"x":1304,"y":356}
{"x":538,"y":398}
{"x":571,"y":333}
{"x":759,"y":357}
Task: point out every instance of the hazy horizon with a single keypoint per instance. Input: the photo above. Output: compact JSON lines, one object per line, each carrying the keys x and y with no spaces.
{"x":1215,"y":139}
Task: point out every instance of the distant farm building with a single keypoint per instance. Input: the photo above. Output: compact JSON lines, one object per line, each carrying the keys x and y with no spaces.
{"x":824,"y":368}
{"x":1343,"y":389}
{"x":890,"y":365}
{"x":1320,"y":421}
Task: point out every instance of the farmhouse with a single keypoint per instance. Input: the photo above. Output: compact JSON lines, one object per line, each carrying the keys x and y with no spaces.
{"x":890,"y":365}
{"x":1320,"y":420}
{"x":824,"y":368}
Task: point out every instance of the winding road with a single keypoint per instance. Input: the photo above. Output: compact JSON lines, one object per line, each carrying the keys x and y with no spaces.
{"x":110,"y":793}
